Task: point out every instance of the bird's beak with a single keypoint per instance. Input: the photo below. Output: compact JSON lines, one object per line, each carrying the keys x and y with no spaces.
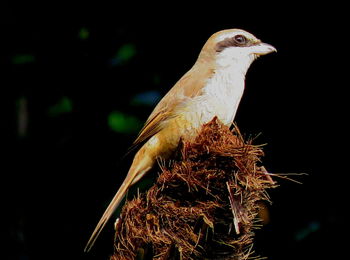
{"x":263,"y":48}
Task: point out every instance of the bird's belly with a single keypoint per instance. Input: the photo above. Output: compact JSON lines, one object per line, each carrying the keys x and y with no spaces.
{"x":203,"y":109}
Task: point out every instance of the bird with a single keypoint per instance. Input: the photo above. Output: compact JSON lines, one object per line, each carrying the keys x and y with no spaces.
{"x":213,"y":87}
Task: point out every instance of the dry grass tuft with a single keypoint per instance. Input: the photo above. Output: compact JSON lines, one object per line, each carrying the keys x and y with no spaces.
{"x":203,"y":206}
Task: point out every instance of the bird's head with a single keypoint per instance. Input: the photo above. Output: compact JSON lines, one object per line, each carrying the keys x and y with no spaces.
{"x":234,"y":47}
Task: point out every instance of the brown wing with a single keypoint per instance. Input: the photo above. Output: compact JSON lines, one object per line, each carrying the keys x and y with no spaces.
{"x":153,"y":126}
{"x":189,"y":86}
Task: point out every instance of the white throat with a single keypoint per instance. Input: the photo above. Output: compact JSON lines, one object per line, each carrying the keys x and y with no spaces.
{"x":236,"y":59}
{"x":226,"y":86}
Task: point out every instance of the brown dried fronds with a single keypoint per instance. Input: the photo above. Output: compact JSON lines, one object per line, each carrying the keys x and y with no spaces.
{"x":204,"y":206}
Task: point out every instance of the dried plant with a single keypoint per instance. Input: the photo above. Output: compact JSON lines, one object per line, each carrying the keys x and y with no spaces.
{"x":203,"y":206}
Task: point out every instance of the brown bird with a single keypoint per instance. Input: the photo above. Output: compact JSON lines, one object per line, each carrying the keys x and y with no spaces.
{"x":212,"y":87}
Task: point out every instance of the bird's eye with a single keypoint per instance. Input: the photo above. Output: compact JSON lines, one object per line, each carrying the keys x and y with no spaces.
{"x":240,"y":39}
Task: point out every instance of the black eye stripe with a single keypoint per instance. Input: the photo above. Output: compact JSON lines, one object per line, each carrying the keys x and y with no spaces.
{"x":235,"y":41}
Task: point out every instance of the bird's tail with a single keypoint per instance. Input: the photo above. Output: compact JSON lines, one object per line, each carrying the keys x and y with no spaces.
{"x":141,"y":165}
{"x":108,"y":213}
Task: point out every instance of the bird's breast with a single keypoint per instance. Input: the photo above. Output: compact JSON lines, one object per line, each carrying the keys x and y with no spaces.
{"x":220,"y":97}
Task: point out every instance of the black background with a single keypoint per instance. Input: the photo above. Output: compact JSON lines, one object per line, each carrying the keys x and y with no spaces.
{"x":58,"y":178}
